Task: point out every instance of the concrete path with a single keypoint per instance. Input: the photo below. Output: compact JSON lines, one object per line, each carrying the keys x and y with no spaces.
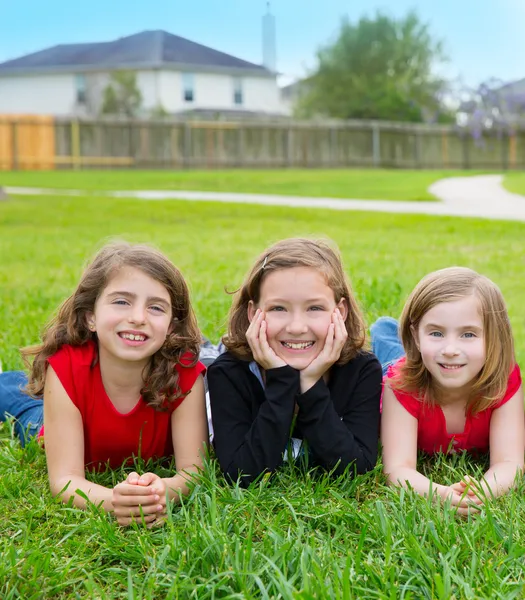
{"x":478,"y":196}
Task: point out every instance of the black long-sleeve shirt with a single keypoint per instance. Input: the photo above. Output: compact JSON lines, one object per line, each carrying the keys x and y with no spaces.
{"x":339,"y":419}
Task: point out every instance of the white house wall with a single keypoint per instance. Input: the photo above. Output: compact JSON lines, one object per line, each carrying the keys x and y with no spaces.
{"x":214,"y":91}
{"x":38,"y":94}
{"x":56,"y":94}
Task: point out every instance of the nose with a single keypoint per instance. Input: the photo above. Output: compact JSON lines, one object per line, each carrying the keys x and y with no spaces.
{"x":137,"y":314}
{"x":296,"y":325}
{"x":450,"y":349}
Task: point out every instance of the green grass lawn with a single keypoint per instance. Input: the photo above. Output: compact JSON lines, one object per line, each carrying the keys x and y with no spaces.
{"x":294,"y":536}
{"x":366,"y":184}
{"x":515,"y":182}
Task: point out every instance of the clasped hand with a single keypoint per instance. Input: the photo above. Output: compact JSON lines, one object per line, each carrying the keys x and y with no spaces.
{"x":141,"y":499}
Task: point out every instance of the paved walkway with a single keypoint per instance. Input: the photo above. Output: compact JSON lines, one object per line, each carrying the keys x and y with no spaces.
{"x":477,"y":196}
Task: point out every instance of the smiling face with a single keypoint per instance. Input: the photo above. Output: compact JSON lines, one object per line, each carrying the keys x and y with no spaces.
{"x":298,"y":306}
{"x":132,"y":317}
{"x":450,"y":337}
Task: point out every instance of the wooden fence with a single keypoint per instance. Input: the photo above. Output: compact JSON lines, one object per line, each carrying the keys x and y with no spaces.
{"x":29,"y":142}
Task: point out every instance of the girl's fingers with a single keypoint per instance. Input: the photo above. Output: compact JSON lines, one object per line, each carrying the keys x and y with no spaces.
{"x":127,"y":521}
{"x":133,"y":478}
{"x":147,"y":479}
{"x":128,"y":489}
{"x":147,"y":500}
{"x":137,"y":511}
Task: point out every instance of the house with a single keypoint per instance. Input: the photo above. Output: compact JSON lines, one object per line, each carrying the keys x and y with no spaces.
{"x":174,"y":75}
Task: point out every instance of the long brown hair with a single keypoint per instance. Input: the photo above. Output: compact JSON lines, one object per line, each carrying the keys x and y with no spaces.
{"x":70,"y":325}
{"x":289,"y":254}
{"x":449,"y":285}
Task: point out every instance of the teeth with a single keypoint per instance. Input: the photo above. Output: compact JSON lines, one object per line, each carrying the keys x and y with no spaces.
{"x":452,"y":366}
{"x":297,"y":346}
{"x":133,"y":338}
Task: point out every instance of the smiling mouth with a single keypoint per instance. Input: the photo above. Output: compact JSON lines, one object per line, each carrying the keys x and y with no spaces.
{"x":297,"y":345}
{"x":450,"y":367}
{"x":133,"y":337}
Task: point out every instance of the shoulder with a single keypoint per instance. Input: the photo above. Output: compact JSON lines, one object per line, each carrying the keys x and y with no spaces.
{"x":227,"y":373}
{"x":409,"y":400}
{"x":188,"y":371}
{"x":227,"y":362}
{"x":513,"y":385}
{"x":73,"y":366}
{"x":363,"y":364}
{"x":74,"y":356}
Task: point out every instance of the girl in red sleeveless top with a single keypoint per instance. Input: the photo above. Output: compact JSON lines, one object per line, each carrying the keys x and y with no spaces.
{"x":119,"y":373}
{"x":458,"y":388}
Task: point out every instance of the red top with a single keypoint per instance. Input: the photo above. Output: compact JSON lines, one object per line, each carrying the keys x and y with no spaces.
{"x":432,"y":435}
{"x":110,"y":436}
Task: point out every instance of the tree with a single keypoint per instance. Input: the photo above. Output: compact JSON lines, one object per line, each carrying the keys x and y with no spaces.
{"x":122,"y":95}
{"x":493,"y":106}
{"x":379,"y":68}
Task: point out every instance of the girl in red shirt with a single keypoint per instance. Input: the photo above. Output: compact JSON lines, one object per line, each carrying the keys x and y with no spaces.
{"x":458,"y":388}
{"x":119,"y":373}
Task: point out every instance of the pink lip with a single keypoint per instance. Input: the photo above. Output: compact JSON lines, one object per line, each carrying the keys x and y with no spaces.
{"x":297,"y":350}
{"x":133,"y":342}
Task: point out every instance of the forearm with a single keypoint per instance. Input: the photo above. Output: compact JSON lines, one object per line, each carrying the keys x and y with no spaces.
{"x":500,"y":478}
{"x":408,"y":477}
{"x":337,"y":440}
{"x":177,"y":486}
{"x":66,"y":488}
{"x":251,"y":441}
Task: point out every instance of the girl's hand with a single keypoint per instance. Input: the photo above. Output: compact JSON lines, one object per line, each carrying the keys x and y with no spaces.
{"x":256,"y":336}
{"x":140,"y":502}
{"x":472,"y":488}
{"x":335,"y":340}
{"x":465,"y":501}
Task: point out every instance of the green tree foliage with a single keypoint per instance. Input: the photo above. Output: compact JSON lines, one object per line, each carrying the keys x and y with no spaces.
{"x":379,"y":68}
{"x":122,"y":95}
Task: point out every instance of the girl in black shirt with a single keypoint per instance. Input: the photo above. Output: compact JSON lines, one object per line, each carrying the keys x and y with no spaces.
{"x":295,"y":370}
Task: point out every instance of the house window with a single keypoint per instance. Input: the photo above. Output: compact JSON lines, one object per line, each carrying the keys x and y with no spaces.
{"x":237,"y":91}
{"x":188,"y":87}
{"x":80,"y":82}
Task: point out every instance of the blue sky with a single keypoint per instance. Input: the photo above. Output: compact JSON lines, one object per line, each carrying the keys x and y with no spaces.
{"x":483,"y":38}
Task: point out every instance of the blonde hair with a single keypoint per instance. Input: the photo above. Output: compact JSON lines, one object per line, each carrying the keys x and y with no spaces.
{"x":289,"y":254}
{"x":70,"y":325}
{"x":449,"y":285}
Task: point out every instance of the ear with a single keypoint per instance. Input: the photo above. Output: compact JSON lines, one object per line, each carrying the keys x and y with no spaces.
{"x":342,"y":305}
{"x":252,"y":309}
{"x":415,"y":335}
{"x":90,"y":321}
{"x":173,"y":324}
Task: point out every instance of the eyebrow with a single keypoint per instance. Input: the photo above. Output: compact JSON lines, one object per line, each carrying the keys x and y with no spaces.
{"x":287,"y":300}
{"x":131,"y":295}
{"x":463,"y":327}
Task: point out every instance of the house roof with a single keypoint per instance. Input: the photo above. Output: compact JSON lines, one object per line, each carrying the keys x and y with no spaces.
{"x":144,"y":50}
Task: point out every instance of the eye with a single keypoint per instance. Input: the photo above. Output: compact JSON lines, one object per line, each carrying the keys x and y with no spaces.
{"x":317,"y":308}
{"x":469,"y":334}
{"x":120,"y":302}
{"x":276,"y":309}
{"x":157,"y":308}
{"x":435,"y":334}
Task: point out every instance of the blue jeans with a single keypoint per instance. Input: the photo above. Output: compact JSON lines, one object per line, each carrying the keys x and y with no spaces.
{"x":386,"y":345}
{"x":28,"y":412}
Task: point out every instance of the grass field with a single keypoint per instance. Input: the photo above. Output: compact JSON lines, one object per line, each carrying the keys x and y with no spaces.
{"x":515,"y":182}
{"x":365,"y":184}
{"x":294,"y":536}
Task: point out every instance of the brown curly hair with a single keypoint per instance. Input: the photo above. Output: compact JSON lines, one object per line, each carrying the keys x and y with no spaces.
{"x":289,"y":254}
{"x":70,"y":325}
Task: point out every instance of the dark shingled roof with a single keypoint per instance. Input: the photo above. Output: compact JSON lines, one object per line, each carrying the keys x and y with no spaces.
{"x":148,"y":49}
